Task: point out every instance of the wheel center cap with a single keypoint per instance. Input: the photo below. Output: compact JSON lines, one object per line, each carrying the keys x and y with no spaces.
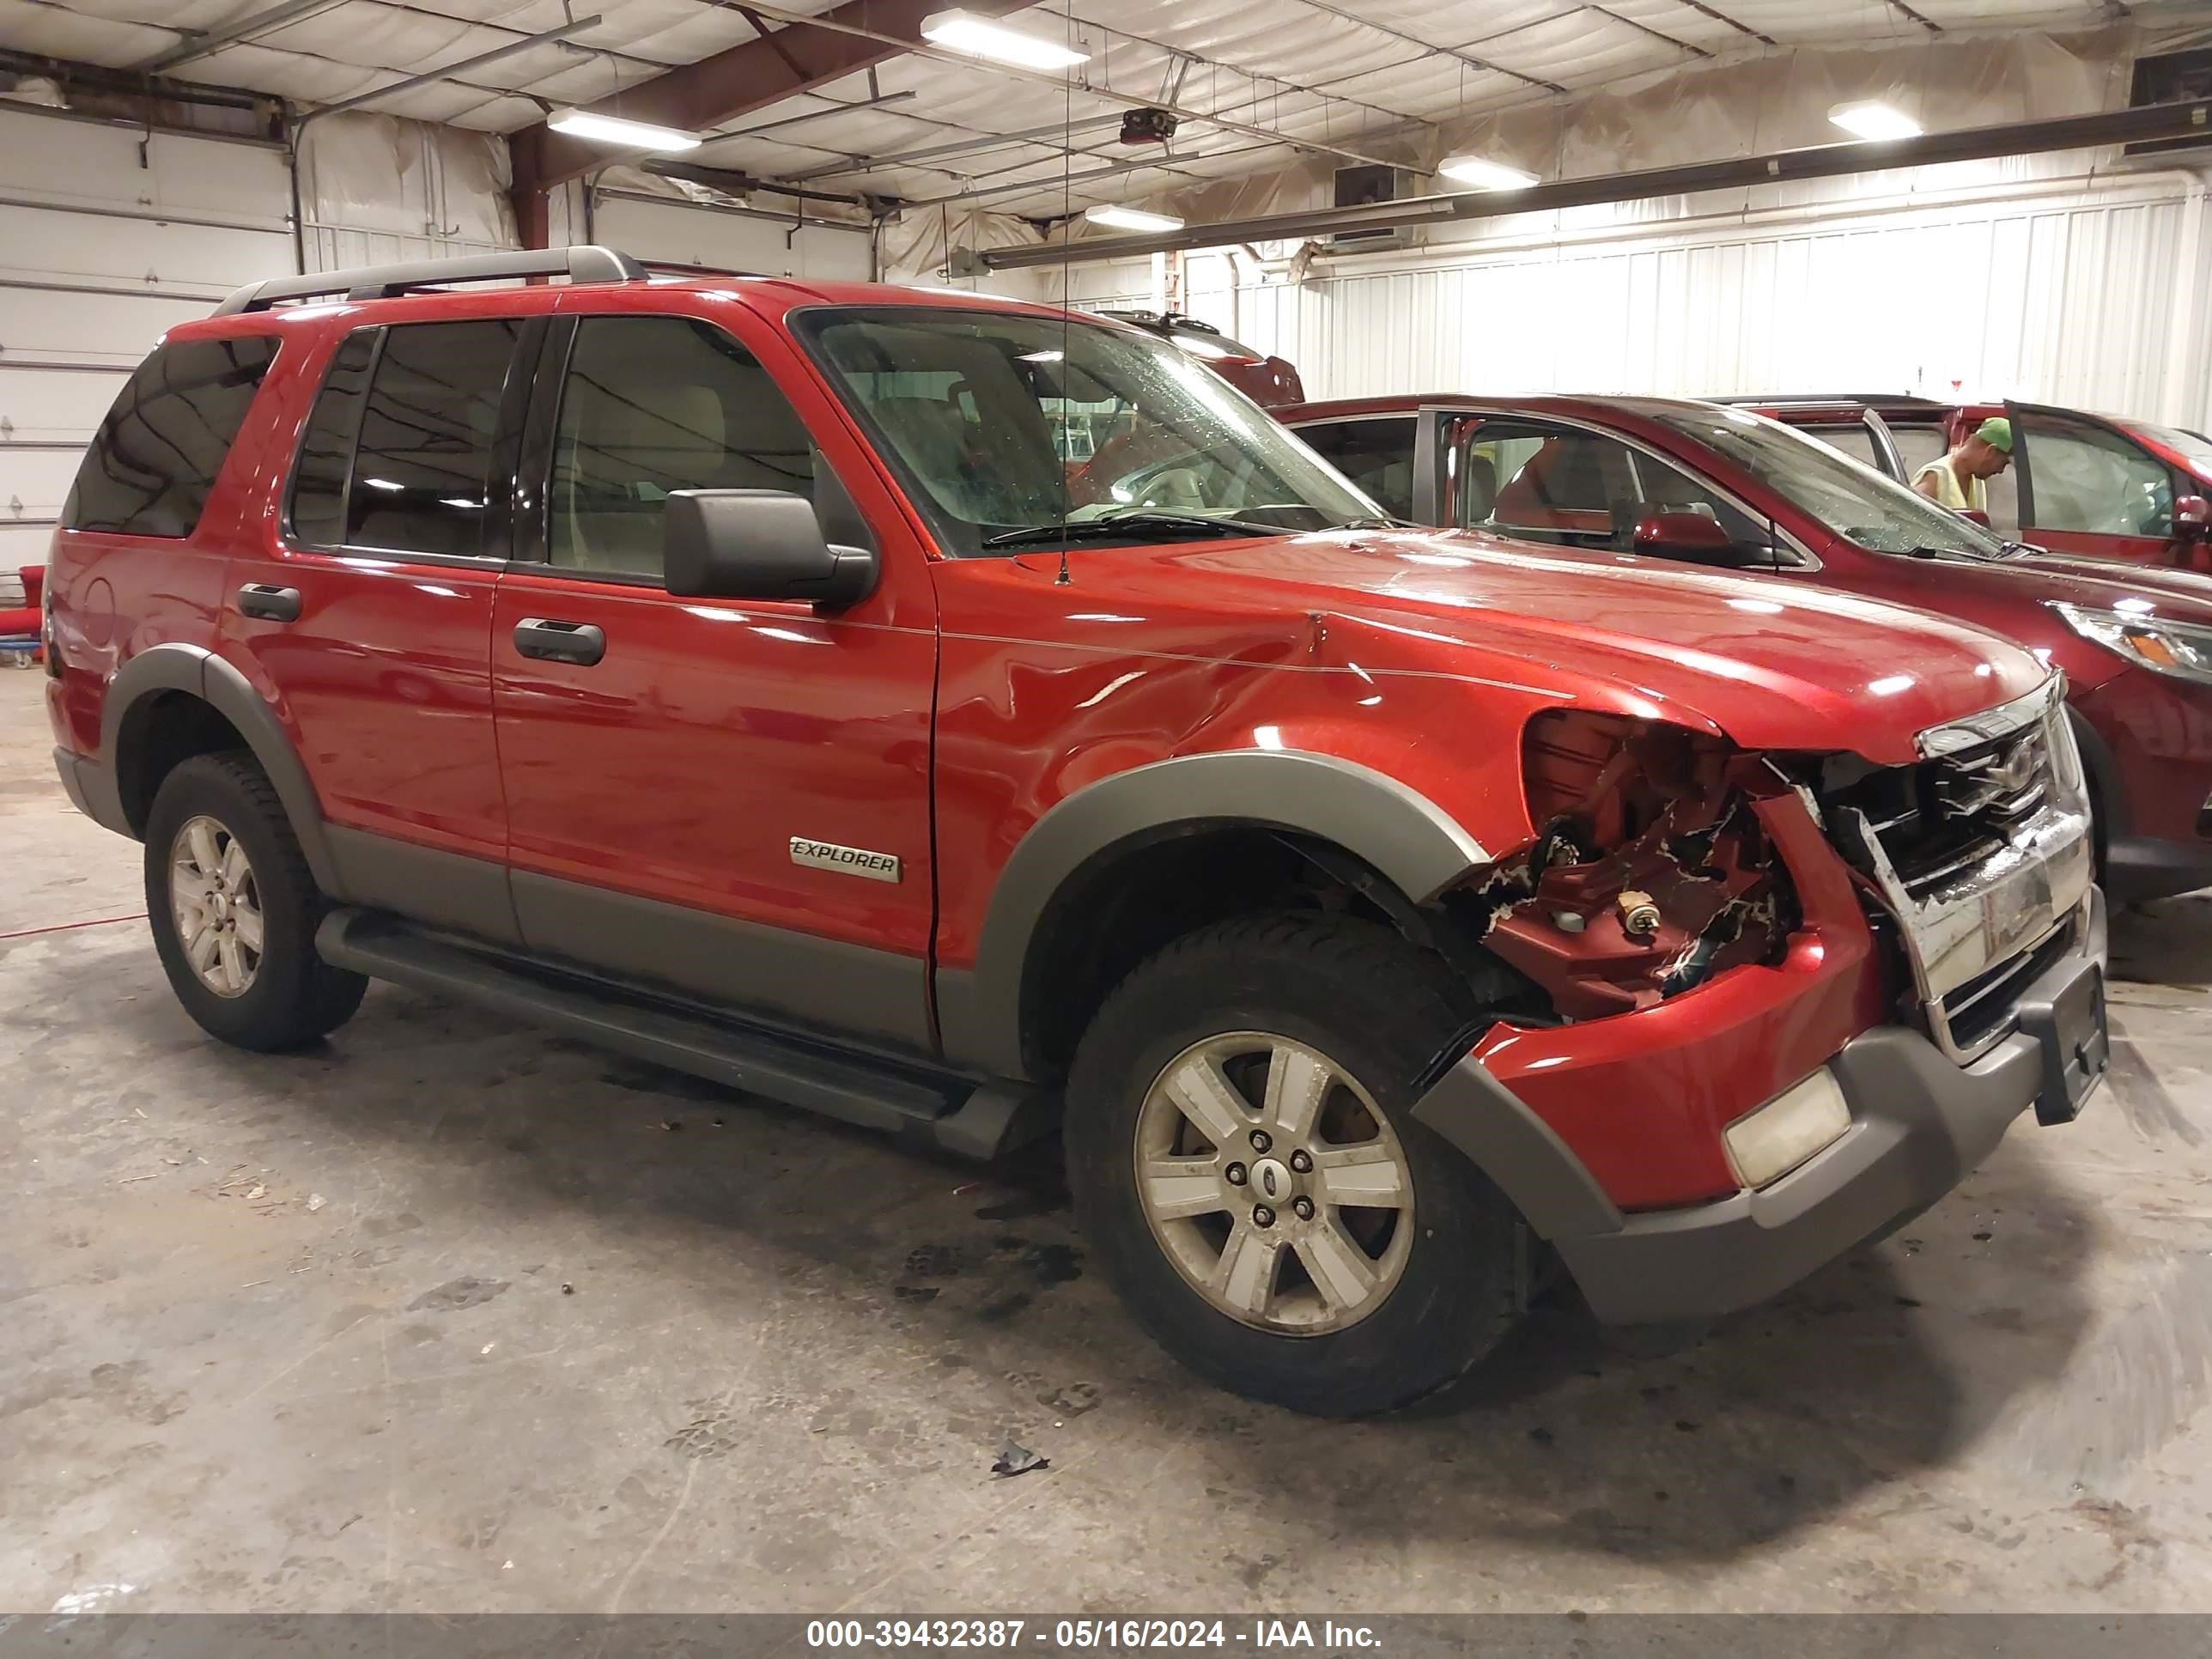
{"x":219,"y":905}
{"x":1272,"y":1181}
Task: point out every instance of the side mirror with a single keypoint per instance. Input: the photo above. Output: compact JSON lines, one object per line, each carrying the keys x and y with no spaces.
{"x":1682,"y":535}
{"x":1975,"y":514}
{"x":758,"y":544}
{"x":2192,"y":516}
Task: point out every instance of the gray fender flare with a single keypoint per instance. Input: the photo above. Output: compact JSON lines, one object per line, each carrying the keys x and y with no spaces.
{"x":200,"y":673}
{"x":1418,"y":847}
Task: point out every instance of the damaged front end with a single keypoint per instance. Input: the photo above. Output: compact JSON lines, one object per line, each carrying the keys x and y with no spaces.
{"x":1652,"y":870}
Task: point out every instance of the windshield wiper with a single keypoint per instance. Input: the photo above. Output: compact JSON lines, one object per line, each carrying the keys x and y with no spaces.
{"x":1375,"y":523}
{"x":1120,"y":526}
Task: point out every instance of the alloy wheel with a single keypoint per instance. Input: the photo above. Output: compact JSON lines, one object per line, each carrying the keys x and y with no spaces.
{"x":217,"y":906}
{"x":1274,"y":1183}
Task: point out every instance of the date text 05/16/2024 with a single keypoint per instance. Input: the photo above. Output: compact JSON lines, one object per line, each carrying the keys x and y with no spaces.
{"x":1083,"y":1635}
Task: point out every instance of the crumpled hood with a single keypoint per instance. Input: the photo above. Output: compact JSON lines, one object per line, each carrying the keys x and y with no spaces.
{"x":1773,"y":663}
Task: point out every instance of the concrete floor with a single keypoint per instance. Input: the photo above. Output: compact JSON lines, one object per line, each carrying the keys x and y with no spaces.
{"x":299,"y":1334}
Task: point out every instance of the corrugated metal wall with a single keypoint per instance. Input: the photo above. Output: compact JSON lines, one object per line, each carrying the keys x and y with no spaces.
{"x":2078,"y":293}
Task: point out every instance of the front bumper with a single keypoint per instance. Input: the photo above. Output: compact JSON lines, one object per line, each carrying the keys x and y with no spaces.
{"x":1920,"y":1123}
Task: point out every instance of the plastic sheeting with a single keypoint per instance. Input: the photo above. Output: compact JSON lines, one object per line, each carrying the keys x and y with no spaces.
{"x":377,"y":173}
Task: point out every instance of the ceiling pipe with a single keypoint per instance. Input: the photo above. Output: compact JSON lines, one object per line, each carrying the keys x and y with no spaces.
{"x":2180,"y":121}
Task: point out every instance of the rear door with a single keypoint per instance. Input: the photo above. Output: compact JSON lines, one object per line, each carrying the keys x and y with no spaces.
{"x":363,"y":615}
{"x":2088,"y":488}
{"x":673,"y":765}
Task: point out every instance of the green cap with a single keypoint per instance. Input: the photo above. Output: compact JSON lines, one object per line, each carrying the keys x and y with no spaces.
{"x":1996,"y":433}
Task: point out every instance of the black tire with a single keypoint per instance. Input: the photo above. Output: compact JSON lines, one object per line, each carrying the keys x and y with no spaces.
{"x":295,"y":997}
{"x":1383,"y":1011}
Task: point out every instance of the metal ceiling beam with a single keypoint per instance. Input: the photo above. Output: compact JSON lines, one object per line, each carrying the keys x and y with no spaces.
{"x":229,"y":34}
{"x":835,"y":108}
{"x":741,"y":79}
{"x":1466,"y":57}
{"x":1278,"y":84}
{"x":1059,"y":83}
{"x":454,"y":71}
{"x":1038,"y":186}
{"x":2178,"y":120}
{"x":960,"y":146}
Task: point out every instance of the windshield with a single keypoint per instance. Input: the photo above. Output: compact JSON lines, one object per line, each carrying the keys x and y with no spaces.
{"x":1006,"y":427}
{"x":2190,"y":446}
{"x":1872,"y":510}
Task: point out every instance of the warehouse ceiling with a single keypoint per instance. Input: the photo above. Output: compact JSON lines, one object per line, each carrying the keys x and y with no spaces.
{"x":1256,"y":81}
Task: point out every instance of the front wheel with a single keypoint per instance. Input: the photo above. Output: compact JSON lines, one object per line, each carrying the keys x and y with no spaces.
{"x":1244,"y":1162}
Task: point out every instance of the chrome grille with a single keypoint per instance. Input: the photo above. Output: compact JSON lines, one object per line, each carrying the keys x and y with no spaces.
{"x":1981,"y":851}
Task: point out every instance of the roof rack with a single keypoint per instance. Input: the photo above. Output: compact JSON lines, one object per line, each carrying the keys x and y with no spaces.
{"x":582,"y":263}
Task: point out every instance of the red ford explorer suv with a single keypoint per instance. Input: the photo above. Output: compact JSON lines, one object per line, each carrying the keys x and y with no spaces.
{"x":712,"y":669}
{"x":1727,"y":489}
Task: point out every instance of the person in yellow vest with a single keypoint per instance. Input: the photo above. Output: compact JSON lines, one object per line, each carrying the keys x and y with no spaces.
{"x":1959,"y":477}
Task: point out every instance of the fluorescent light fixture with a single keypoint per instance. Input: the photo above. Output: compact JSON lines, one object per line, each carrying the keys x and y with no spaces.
{"x":979,"y":38}
{"x":1875,"y":119}
{"x":1485,"y":173}
{"x":1121,"y":218}
{"x":624,"y":134}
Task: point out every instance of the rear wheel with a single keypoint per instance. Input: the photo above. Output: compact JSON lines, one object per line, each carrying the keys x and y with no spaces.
{"x":234,"y":908}
{"x":1245,"y":1164}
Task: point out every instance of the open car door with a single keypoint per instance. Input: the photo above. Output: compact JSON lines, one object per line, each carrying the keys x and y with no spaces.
{"x":2090,"y":489}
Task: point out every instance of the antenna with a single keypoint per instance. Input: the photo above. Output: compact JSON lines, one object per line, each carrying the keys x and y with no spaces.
{"x":1066,"y":235}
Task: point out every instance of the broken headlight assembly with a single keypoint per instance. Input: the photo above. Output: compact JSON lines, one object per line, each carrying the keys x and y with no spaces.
{"x":1650,"y":873}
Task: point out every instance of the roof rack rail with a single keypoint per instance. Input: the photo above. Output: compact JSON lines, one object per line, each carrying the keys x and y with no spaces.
{"x":583,"y":263}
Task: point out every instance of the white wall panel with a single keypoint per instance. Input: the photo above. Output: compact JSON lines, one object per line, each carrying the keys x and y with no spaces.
{"x":2075,"y":293}
{"x":683,"y":234}
{"x":109,"y":235}
{"x":42,"y":405}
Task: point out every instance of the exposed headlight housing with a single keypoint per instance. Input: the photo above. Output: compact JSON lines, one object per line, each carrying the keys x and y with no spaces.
{"x":1803,"y":1119}
{"x":2181,"y":650}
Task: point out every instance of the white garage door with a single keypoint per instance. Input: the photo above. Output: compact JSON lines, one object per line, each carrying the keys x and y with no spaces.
{"x":108,"y":235}
{"x":731,"y":241}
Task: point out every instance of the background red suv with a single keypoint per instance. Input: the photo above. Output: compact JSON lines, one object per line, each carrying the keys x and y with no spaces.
{"x":1726,"y":488}
{"x":2095,"y":486}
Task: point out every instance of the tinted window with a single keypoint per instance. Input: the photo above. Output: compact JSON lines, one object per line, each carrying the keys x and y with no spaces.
{"x":155,"y":456}
{"x":423,"y":464}
{"x":319,"y":482}
{"x":1376,"y":455}
{"x":1856,"y":442}
{"x":2084,"y":478}
{"x":655,"y":405}
{"x":412,"y":408}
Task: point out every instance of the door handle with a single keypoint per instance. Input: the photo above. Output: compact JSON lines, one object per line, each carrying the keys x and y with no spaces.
{"x":550,"y":640}
{"x":270,"y":602}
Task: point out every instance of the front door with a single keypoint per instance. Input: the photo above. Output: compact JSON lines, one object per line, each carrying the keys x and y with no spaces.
{"x":2088,"y":488}
{"x":675,"y":768}
{"x":1542,"y":480}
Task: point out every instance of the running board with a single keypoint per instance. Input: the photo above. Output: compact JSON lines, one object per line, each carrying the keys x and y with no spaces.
{"x":939,"y":1108}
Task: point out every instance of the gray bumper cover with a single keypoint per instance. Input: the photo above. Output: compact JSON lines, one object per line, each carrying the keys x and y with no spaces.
{"x":1919,"y":1124}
